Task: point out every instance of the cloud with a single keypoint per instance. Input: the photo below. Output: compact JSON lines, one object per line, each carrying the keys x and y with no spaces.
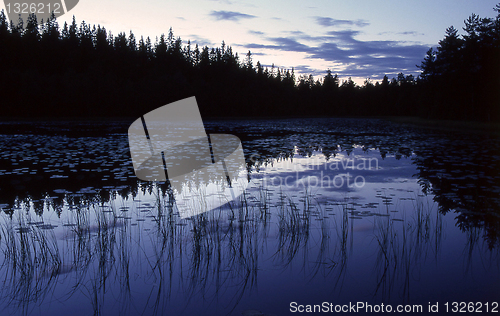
{"x":201,"y":41}
{"x":304,"y":69}
{"x":325,"y":21}
{"x":256,"y":32}
{"x":230,"y":15}
{"x":345,"y":36}
{"x":223,"y":1}
{"x":357,"y":58}
{"x":282,"y":43}
{"x":412,"y":33}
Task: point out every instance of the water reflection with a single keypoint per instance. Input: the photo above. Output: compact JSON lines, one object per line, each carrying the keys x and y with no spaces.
{"x":142,"y":252}
{"x":87,"y":242}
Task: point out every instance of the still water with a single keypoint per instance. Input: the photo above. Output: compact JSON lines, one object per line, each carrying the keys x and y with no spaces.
{"x":341,"y":211}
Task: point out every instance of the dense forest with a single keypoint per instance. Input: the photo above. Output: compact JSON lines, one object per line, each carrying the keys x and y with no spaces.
{"x":85,"y":71}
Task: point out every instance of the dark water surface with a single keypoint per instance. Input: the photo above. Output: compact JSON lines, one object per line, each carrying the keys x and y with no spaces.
{"x":337,"y":210}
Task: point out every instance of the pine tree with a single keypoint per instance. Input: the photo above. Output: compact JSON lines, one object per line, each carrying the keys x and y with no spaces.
{"x":4,"y":32}
{"x":86,"y":38}
{"x":188,"y":53}
{"x":132,"y":44}
{"x":196,"y":55}
{"x":385,"y":82}
{"x":204,"y":58}
{"x":51,"y":33}
{"x":121,"y":43}
{"x":330,"y":82}
{"x":248,"y":61}
{"x":101,"y":41}
{"x":170,"y":39}
{"x":260,"y":69}
{"x":448,"y":55}
{"x":4,"y":26}
{"x":72,"y":35}
{"x":32,"y":33}
{"x":161,"y":49}
{"x":428,"y":65}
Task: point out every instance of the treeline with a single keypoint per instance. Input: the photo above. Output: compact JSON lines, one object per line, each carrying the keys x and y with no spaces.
{"x":83,"y":70}
{"x":461,"y":78}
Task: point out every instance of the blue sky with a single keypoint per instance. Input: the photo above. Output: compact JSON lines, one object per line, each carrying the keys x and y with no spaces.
{"x":361,"y":39}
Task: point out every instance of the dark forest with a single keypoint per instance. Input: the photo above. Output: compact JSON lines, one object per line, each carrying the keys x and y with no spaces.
{"x":79,"y":70}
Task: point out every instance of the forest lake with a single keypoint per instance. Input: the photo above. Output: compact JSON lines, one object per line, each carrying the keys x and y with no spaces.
{"x":337,"y":211}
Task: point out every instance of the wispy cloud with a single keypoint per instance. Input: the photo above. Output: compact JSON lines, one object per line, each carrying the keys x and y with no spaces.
{"x":304,"y":69}
{"x":412,"y":33}
{"x":223,"y":1}
{"x":201,"y":41}
{"x":256,"y":32}
{"x":325,"y":21}
{"x":230,"y":15}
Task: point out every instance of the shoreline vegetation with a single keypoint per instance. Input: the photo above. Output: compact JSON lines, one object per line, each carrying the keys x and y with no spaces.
{"x":84,"y":71}
{"x":447,"y":125}
{"x":98,"y":124}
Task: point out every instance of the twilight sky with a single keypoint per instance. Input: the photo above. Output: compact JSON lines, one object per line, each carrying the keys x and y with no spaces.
{"x":362,"y":39}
